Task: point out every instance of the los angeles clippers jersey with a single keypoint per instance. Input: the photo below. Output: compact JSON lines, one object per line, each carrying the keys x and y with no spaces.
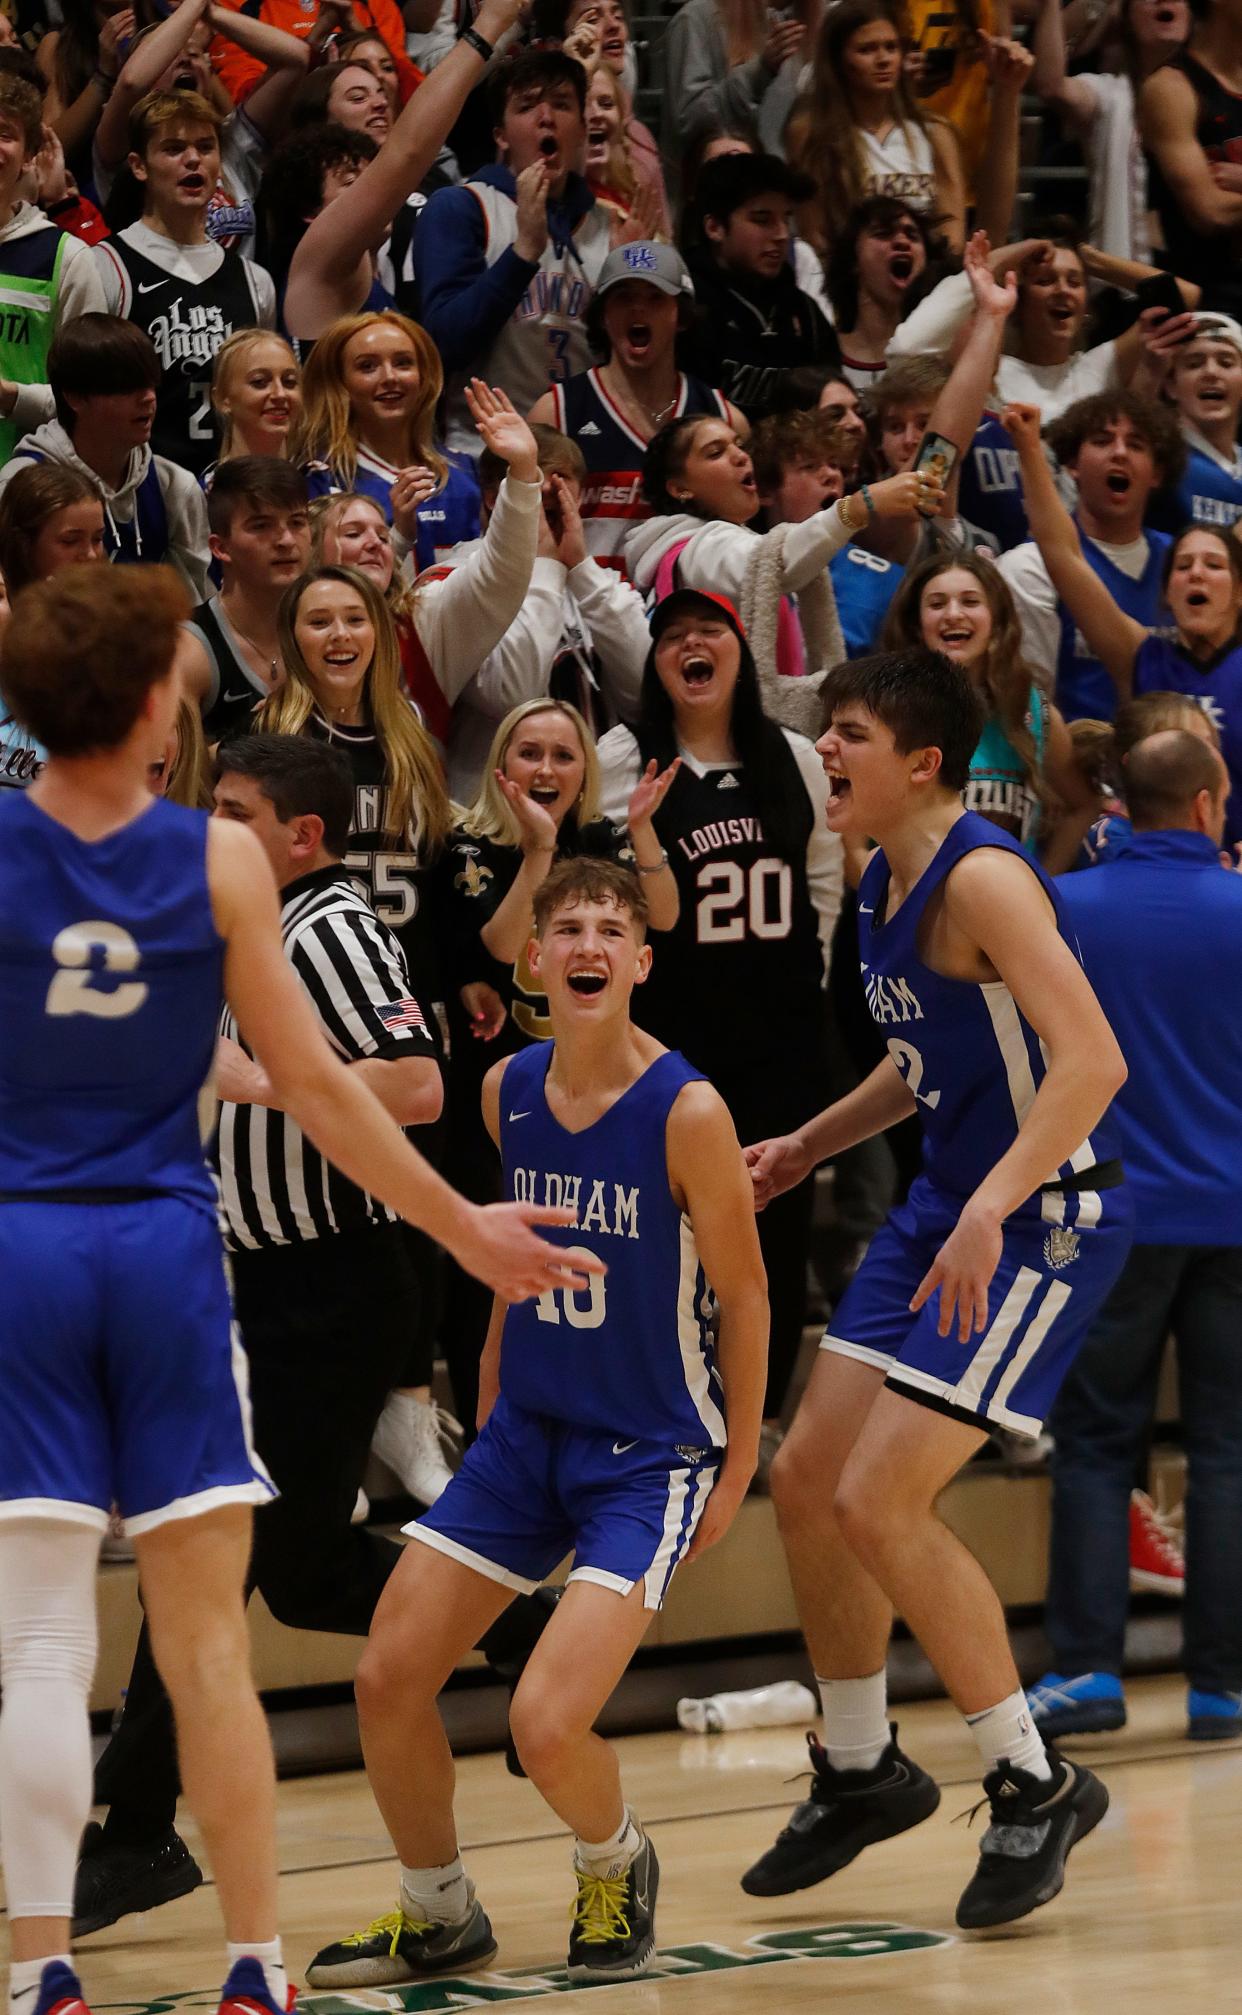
{"x":967,"y":1053}
{"x":390,"y":872}
{"x":1084,"y":688}
{"x":110,"y":985}
{"x":737,"y":984}
{"x":612,"y":494}
{"x":188,"y":323}
{"x":1162,"y":666}
{"x":990,"y":493}
{"x":632,"y":1353}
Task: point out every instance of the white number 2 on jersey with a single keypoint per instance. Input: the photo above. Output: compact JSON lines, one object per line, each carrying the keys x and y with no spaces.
{"x":554,"y":1299}
{"x":733,"y":901}
{"x":910,"y":1063}
{"x":72,"y":991}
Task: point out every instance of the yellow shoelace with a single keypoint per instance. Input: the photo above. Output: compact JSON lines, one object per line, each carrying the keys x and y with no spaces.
{"x":599,"y":1913}
{"x":390,"y":1926}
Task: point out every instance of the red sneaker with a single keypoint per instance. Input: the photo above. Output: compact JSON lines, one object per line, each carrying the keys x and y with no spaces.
{"x":1157,"y":1562}
{"x":245,"y":1992}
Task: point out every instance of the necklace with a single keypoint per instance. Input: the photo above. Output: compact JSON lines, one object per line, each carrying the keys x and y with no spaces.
{"x":655,"y":417}
{"x":273,"y":663}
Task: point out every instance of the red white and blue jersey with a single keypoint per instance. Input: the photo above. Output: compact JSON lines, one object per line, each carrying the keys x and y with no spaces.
{"x":612,"y":498}
{"x":632,"y":1352}
{"x":110,"y":985}
{"x":967,"y":1053}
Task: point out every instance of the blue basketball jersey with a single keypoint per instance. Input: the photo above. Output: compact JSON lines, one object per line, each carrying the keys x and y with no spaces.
{"x":1208,"y":493}
{"x":612,"y":495}
{"x":632,"y":1353}
{"x":1084,"y":688}
{"x":1161,"y":665}
{"x":863,"y":585}
{"x":971,"y":1059}
{"x":990,"y":491}
{"x":110,"y":984}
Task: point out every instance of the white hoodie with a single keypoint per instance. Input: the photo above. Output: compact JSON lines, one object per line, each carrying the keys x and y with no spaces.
{"x":184,"y":501}
{"x":716,"y":555}
{"x":80,"y":292}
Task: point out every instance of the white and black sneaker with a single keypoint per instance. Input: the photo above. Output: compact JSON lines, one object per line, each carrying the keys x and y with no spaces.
{"x":846,"y":1811}
{"x":1033,"y":1826}
{"x":613,"y":1934}
{"x":396,"y":1948}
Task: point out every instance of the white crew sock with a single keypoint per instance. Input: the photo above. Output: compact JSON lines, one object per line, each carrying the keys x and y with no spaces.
{"x":1008,"y":1730}
{"x":271,"y":1958}
{"x":24,"y":1978}
{"x":855,"y":1720}
{"x":612,"y":1856}
{"x":435,"y":1895}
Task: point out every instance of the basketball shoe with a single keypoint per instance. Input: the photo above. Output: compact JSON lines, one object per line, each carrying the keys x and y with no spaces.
{"x":117,"y":1877}
{"x":846,"y":1811}
{"x":1087,"y":1704}
{"x":1214,"y":1717}
{"x":397,"y":1948}
{"x":246,"y":1992}
{"x":60,"y":1992}
{"x":1033,"y":1826}
{"x":613,"y":1933}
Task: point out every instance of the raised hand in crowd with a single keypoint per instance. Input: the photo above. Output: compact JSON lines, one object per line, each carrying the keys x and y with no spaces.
{"x":787,"y":38}
{"x":532,"y":212}
{"x":502,"y":429}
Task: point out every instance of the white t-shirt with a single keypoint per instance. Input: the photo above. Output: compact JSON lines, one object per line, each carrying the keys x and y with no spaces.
{"x":1039,"y":610}
{"x":1117,"y":167}
{"x":901,"y":165}
{"x":1055,"y":387}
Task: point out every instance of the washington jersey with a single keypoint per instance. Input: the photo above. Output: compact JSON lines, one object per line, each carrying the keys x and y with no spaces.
{"x":1084,"y":688}
{"x":632,"y":1352}
{"x":968,"y":1055}
{"x":110,"y":983}
{"x":612,"y":498}
{"x":1161,"y":666}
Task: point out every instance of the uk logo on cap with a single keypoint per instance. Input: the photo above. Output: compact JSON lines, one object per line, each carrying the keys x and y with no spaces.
{"x":639,"y":258}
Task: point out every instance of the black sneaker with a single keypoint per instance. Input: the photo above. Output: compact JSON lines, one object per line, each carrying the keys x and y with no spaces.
{"x":846,"y":1811}
{"x":1033,"y":1826}
{"x":613,"y":1935}
{"x":397,"y":1948}
{"x":113,"y":1879}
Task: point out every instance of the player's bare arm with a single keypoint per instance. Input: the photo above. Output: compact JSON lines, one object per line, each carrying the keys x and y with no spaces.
{"x":997,"y":923}
{"x":708,"y":1177}
{"x":410,"y":1088}
{"x":877,"y":1103}
{"x":333,"y":1106}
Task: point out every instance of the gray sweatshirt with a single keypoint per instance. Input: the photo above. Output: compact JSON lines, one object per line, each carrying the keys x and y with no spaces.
{"x":700,"y":86}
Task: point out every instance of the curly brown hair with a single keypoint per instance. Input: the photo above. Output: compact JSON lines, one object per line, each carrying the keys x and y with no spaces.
{"x":1003,"y":679}
{"x":1158,"y":425}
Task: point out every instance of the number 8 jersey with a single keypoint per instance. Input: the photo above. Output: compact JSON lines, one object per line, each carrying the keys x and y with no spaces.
{"x":110,"y":986}
{"x":964,"y":1048}
{"x":632,"y":1353}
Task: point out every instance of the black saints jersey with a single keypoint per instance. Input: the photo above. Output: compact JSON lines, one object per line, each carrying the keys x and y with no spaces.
{"x":389,"y":869}
{"x":736,"y":986}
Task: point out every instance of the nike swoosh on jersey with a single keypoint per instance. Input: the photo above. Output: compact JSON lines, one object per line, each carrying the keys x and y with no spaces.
{"x":149,"y":286}
{"x":235,"y":699}
{"x":518,"y":1115}
{"x":621,"y":1447}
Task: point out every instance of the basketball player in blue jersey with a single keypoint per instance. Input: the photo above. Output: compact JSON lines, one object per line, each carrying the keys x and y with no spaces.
{"x":973,"y":1297}
{"x":123,"y":917}
{"x":603,"y":1435}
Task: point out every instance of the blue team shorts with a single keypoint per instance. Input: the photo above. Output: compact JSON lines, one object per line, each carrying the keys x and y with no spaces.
{"x":1060,"y":1258}
{"x":122,"y":1380}
{"x":532,"y":1489}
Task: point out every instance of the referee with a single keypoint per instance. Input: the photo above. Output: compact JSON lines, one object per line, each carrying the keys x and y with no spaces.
{"x":324,"y":1292}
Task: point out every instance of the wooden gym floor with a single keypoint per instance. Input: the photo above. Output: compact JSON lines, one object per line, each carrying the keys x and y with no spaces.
{"x":1149,"y":1915}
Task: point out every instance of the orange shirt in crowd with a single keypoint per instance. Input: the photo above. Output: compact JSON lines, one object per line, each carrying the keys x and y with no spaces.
{"x":239,"y":72}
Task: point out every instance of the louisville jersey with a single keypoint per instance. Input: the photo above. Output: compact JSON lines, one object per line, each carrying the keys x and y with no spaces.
{"x":632,"y":1352}
{"x":612,"y":497}
{"x":967,"y":1053}
{"x":737,"y":983}
{"x":111,"y":973}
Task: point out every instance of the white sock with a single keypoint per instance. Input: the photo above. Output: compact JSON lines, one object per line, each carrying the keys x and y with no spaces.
{"x":1008,"y":1730}
{"x":24,"y":1978}
{"x":855,"y":1720}
{"x":270,"y":1957}
{"x":612,"y":1856}
{"x":435,"y":1895}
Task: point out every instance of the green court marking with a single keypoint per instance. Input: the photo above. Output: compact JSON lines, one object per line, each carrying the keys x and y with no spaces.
{"x":526,"y":1983}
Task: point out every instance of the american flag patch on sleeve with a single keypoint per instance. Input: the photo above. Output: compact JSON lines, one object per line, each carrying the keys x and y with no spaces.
{"x":403,"y":1014}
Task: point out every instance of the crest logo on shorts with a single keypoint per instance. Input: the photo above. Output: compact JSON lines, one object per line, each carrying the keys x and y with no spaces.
{"x":1061,"y":1247}
{"x":639,"y":258}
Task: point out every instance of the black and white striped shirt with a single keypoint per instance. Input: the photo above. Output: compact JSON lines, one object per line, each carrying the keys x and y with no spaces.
{"x":275,"y":1188}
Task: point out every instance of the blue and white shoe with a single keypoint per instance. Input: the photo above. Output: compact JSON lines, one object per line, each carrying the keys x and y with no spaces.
{"x":1214,"y":1717}
{"x":246,"y":1992}
{"x":60,"y":1991}
{"x":1088,"y":1704}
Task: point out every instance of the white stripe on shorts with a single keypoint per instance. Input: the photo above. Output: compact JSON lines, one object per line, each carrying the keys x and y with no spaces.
{"x":969,"y":1388}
